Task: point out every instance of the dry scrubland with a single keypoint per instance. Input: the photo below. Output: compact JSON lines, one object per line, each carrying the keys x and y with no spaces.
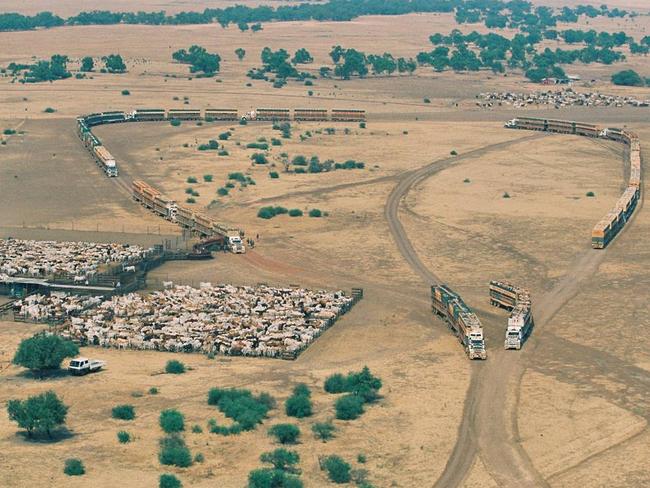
{"x":582,"y":400}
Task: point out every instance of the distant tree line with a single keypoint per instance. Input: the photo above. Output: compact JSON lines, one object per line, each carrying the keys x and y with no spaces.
{"x":495,"y":13}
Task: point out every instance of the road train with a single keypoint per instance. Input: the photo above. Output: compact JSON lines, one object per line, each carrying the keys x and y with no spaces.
{"x":154,"y":200}
{"x":460,"y":318}
{"x":517,"y":301}
{"x":611,"y":224}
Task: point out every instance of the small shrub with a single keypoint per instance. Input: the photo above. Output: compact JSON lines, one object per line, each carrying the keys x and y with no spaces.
{"x":298,"y":406}
{"x":190,"y":200}
{"x":224,"y":136}
{"x":361,"y":458}
{"x":591,"y":194}
{"x":153,"y":390}
{"x":172,"y":420}
{"x":207,"y":178}
{"x":49,"y":110}
{"x":276,"y":142}
{"x":240,"y":405}
{"x":9,"y":132}
{"x":126,"y":93}
{"x":199,"y":458}
{"x":282,"y":459}
{"x":169,"y":481}
{"x":192,"y":179}
{"x":427,"y":100}
{"x":137,"y":394}
{"x":243,"y":122}
{"x":175,"y":122}
{"x":263,"y":146}
{"x":274,"y":175}
{"x":222,"y":192}
{"x":259,"y":158}
{"x":453,"y":152}
{"x":223,"y":152}
{"x":174,"y":452}
{"x":74,"y":467}
{"x":337,"y":469}
{"x":295,"y":212}
{"x":285,"y":433}
{"x":349,"y":407}
{"x":197,"y":429}
{"x":230,"y":185}
{"x":362,"y":125}
{"x":314,"y":212}
{"x":174,"y":367}
{"x":123,"y":437}
{"x":466,"y":180}
{"x":123,"y":412}
{"x":506,"y":195}
{"x":323,"y":430}
{"x":336,"y":383}
{"x":271,"y":478}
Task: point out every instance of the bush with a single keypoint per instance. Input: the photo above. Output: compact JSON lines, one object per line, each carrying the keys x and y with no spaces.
{"x":153,"y":390}
{"x":314,"y":212}
{"x":40,"y":413}
{"x":190,"y":200}
{"x":466,"y":180}
{"x":222,"y":192}
{"x":453,"y":152}
{"x":298,"y":406}
{"x":272,"y":478}
{"x":123,"y":412}
{"x":299,"y":161}
{"x":175,"y":122}
{"x":259,"y":158}
{"x":281,"y":459}
{"x":591,"y":194}
{"x":241,"y":406}
{"x":197,"y":429}
{"x":506,"y":195}
{"x":74,"y":467}
{"x":43,"y":353}
{"x":123,"y":436}
{"x":349,"y":407}
{"x":230,"y":185}
{"x":49,"y":110}
{"x":338,"y":470}
{"x":174,"y":452}
{"x":192,"y":179}
{"x":172,"y":420}
{"x":276,"y":142}
{"x":627,"y":77}
{"x":224,"y":136}
{"x":362,"y":125}
{"x":274,"y":175}
{"x":285,"y":433}
{"x":126,"y":92}
{"x":169,"y":481}
{"x":336,"y":383}
{"x":223,"y":152}
{"x":174,"y":367}
{"x":199,"y":458}
{"x":257,"y":145}
{"x":243,"y":122}
{"x":270,"y":212}
{"x":323,"y":430}
{"x":295,"y":212}
{"x":361,"y":458}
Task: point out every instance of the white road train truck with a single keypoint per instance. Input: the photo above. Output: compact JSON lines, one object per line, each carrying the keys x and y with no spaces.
{"x":517,"y":301}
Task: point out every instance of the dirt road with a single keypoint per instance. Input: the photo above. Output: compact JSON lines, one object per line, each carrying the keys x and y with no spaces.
{"x":489,"y":427}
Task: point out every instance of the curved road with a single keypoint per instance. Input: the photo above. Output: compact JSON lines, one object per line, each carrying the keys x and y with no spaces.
{"x":489,"y":425}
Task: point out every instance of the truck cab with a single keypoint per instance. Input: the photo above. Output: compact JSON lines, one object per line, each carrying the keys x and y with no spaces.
{"x":236,"y":245}
{"x":80,"y":366}
{"x":476,"y":345}
{"x":511,"y":124}
{"x":513,"y":338}
{"x":111,"y":168}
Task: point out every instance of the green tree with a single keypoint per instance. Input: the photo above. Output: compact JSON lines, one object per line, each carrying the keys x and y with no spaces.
{"x":240,"y":52}
{"x":39,"y":413}
{"x":174,"y":452}
{"x":87,"y":64}
{"x":627,"y":77}
{"x":282,"y":459}
{"x":285,"y":433}
{"x":172,"y":420}
{"x":337,"y":469}
{"x":44,"y":352}
{"x":74,"y":467}
{"x":323,"y":430}
{"x":173,"y":366}
{"x":114,"y":63}
{"x":302,"y":56}
{"x":169,"y":481}
{"x":348,"y":407}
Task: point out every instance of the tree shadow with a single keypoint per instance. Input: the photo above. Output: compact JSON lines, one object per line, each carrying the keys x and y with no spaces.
{"x":56,"y":374}
{"x":57,"y":435}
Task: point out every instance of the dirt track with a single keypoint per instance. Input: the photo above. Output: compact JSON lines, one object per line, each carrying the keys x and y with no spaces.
{"x":489,"y":424}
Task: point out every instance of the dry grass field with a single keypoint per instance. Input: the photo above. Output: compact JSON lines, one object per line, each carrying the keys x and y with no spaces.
{"x":576,"y":404}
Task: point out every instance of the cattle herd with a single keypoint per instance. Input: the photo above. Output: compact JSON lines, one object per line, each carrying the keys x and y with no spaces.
{"x":557,"y":98}
{"x":41,"y":259}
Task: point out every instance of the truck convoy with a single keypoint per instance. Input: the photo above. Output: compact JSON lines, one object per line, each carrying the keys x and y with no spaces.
{"x":81,"y":366}
{"x":461,"y":320}
{"x":152,"y":199}
{"x":517,"y":301}
{"x":612,"y":223}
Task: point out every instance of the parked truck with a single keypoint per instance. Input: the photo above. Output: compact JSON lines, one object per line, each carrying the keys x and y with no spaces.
{"x":81,"y":366}
{"x":235,"y":244}
{"x":516,"y":300}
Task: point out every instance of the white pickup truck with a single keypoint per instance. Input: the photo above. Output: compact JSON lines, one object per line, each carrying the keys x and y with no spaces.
{"x":81,"y":366}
